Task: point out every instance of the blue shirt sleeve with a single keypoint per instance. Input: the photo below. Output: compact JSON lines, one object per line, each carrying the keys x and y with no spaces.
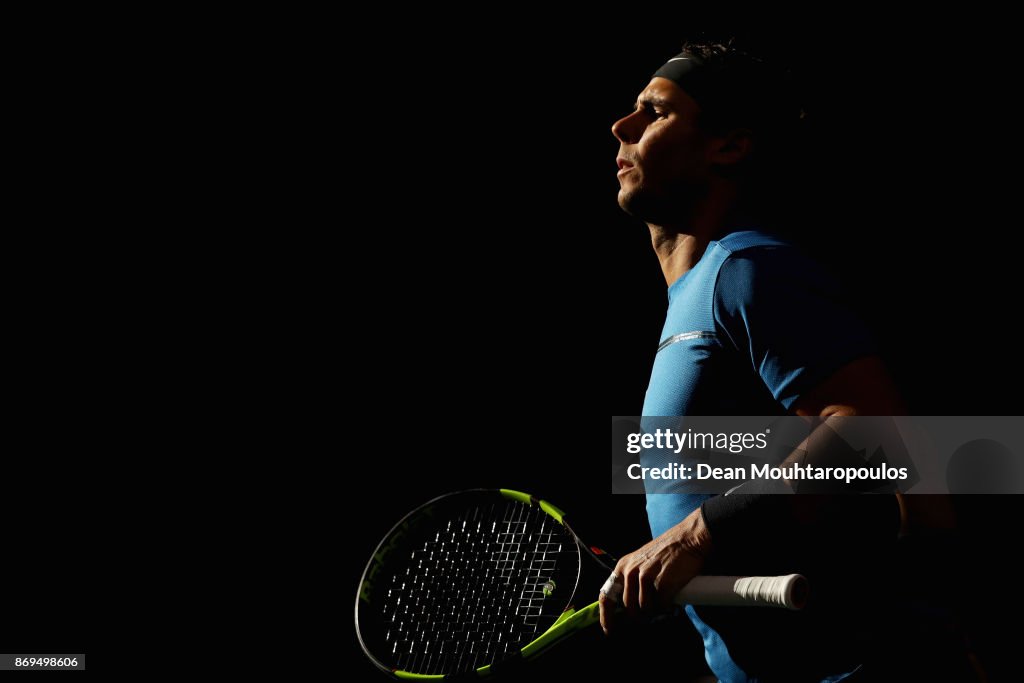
{"x":778,"y":307}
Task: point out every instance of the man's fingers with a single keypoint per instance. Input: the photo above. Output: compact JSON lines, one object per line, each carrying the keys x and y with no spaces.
{"x":607,"y":607}
{"x":668,"y":587}
{"x":631,"y":588}
{"x":610,"y":598}
{"x":648,"y":594}
{"x":654,"y":574}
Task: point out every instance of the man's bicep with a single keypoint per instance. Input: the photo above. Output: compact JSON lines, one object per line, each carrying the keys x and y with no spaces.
{"x":861,"y":387}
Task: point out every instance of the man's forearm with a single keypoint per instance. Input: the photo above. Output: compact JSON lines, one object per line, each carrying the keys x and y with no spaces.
{"x":747,"y":520}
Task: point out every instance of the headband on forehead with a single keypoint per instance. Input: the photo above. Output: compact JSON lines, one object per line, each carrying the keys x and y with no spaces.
{"x":690,"y":73}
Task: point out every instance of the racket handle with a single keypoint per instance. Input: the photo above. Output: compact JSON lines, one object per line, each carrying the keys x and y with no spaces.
{"x":752,"y":591}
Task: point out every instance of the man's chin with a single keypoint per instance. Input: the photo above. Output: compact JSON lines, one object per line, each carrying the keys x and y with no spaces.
{"x":633,"y":203}
{"x":653,"y":208}
{"x":623,"y":201}
{"x":626,"y":201}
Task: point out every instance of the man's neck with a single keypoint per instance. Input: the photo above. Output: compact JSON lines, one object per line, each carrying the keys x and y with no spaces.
{"x":677,"y":251}
{"x":679,"y":246}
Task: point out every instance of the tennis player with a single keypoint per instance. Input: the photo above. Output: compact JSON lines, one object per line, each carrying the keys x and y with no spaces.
{"x":754,"y":327}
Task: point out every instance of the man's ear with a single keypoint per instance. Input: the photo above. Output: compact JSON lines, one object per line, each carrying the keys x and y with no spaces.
{"x":733,"y":147}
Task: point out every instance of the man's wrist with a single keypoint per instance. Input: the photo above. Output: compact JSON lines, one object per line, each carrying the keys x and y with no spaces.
{"x":697,"y":536}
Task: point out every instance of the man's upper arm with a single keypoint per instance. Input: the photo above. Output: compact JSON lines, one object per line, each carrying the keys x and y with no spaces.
{"x":784,"y":314}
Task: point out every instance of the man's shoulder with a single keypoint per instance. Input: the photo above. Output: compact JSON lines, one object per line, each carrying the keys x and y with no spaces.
{"x":753,"y":252}
{"x":762,"y":266}
{"x":744,"y":240}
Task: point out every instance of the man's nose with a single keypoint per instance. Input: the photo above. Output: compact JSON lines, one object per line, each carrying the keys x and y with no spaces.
{"x":627,"y":129}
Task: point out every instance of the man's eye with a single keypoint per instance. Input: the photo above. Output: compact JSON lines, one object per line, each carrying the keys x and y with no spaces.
{"x":652,"y":112}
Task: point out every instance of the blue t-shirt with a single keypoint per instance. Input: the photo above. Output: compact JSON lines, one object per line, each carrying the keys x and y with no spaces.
{"x":750,"y":328}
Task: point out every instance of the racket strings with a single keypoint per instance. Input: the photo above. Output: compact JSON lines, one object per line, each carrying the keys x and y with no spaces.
{"x":474,"y":592}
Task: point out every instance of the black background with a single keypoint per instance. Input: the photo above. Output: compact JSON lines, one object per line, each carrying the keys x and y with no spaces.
{"x":511,"y":308}
{"x":517,"y":307}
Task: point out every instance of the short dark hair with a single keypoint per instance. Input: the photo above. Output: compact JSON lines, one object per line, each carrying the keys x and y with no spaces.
{"x":746,"y":90}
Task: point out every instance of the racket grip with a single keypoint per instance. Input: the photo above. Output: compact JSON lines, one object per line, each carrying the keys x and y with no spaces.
{"x":758,"y":591}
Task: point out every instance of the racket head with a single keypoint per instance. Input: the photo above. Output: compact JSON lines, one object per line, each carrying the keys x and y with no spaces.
{"x":464,"y":582}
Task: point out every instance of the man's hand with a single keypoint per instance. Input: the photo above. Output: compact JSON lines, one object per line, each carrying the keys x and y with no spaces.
{"x":653,"y":575}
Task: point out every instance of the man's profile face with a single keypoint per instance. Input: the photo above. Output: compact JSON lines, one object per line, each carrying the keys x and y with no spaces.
{"x":663,"y":158}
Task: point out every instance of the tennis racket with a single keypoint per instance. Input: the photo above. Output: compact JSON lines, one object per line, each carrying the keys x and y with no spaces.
{"x":476,"y":581}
